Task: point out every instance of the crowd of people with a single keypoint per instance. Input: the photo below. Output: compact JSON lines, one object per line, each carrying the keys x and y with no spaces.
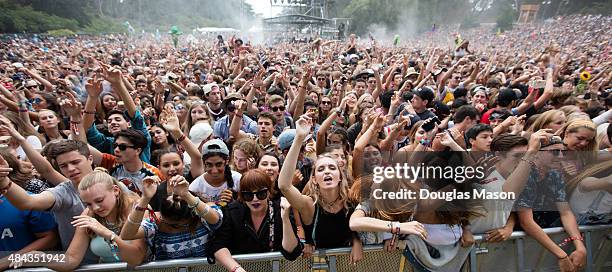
{"x":127,"y":149}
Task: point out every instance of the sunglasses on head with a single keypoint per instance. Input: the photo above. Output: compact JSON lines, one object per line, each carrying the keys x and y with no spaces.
{"x":275,"y":109}
{"x":261,"y":195}
{"x":122,"y":147}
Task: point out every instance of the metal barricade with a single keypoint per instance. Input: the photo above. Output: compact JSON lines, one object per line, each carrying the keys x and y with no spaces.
{"x":518,"y":253}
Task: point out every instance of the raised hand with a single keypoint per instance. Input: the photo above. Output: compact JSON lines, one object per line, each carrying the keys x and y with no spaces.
{"x":179,"y":185}
{"x":149,"y":186}
{"x":111,"y":74}
{"x":94,"y":87}
{"x":71,"y":105}
{"x":539,"y":137}
{"x":303,"y":125}
{"x":11,"y":130}
{"x":170,"y":120}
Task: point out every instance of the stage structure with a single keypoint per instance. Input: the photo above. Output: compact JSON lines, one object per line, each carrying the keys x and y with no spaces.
{"x":528,"y":14}
{"x":305,"y":19}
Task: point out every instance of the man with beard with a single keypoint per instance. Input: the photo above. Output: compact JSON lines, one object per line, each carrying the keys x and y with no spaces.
{"x":213,"y":98}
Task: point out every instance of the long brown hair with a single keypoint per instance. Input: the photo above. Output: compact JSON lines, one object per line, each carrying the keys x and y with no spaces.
{"x":21,"y":126}
{"x":595,"y":169}
{"x":18,"y":175}
{"x":312,"y":188}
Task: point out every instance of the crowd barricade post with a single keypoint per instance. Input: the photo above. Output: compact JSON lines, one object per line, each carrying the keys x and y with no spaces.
{"x":518,"y":253}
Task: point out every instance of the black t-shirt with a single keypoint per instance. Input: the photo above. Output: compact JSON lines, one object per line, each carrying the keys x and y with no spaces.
{"x":426,"y":114}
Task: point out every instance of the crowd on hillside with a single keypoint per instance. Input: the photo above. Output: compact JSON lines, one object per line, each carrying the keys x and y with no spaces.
{"x":127,"y":149}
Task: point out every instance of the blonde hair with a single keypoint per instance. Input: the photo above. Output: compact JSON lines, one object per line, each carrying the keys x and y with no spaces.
{"x":125,"y":200}
{"x":544,"y":119}
{"x":24,"y":128}
{"x":590,"y":152}
{"x":312,"y":188}
{"x":249,"y":147}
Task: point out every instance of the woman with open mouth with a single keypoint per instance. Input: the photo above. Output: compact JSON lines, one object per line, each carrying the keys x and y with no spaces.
{"x":324,"y":208}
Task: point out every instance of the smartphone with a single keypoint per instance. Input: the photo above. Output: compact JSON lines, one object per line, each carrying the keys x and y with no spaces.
{"x":431,"y":124}
{"x":538,"y":84}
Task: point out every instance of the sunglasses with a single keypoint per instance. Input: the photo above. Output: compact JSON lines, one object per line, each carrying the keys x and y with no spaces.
{"x":36,"y":100}
{"x":275,"y":109}
{"x":325,"y":102}
{"x":557,"y":152}
{"x":179,"y":107}
{"x":261,"y":195}
{"x":122,"y":147}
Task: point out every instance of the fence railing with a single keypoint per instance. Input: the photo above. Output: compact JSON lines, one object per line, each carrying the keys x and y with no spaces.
{"x":518,"y":253}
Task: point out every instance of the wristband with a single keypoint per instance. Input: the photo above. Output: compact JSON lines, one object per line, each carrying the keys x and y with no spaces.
{"x":194,"y":205}
{"x":236,"y":268}
{"x":89,"y":112}
{"x":23,"y":110}
{"x":181,"y":139}
{"x":570,"y":239}
{"x":141,"y":209}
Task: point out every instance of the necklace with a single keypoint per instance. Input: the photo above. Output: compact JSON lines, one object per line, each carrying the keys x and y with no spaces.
{"x":330,"y":205}
{"x":111,"y":226}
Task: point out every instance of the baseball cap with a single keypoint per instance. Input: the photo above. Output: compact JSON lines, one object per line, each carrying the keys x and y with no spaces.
{"x":231,"y":97}
{"x":208,"y":87}
{"x":215,"y":146}
{"x":506,"y":95}
{"x":425,"y":93}
{"x":285,"y":139}
{"x":200,"y":132}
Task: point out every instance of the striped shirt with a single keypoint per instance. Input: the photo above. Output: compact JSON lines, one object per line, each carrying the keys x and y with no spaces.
{"x":166,"y":246}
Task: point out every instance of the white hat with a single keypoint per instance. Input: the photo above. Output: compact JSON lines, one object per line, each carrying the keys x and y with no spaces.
{"x":200,"y":132}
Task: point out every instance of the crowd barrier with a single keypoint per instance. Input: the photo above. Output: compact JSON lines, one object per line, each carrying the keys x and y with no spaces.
{"x":518,"y":253}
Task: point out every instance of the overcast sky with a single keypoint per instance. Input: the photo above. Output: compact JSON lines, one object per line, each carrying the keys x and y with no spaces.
{"x":263,"y":7}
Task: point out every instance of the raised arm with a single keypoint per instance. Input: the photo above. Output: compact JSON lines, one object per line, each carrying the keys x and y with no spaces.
{"x":113,"y":75}
{"x":41,"y":164}
{"x":299,"y":100}
{"x":131,"y":229}
{"x":327,"y":123}
{"x":170,"y":122}
{"x":364,"y":140}
{"x":302,"y":203}
{"x":94,"y":89}
{"x":37,"y":77}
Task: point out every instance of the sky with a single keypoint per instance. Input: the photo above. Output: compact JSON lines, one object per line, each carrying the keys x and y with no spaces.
{"x":263,"y":7}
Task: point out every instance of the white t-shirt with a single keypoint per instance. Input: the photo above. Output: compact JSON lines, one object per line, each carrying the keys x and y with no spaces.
{"x":581,"y":201}
{"x":34,"y":142}
{"x":498,"y":210}
{"x":209,"y":193}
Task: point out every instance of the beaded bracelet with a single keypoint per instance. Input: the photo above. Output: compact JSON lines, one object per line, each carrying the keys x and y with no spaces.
{"x":570,"y":239}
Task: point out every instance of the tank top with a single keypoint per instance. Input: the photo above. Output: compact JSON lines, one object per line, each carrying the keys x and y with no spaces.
{"x":100,"y":248}
{"x":329,"y":230}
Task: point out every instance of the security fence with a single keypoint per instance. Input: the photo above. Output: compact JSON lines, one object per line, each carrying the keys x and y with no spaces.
{"x":518,"y":253}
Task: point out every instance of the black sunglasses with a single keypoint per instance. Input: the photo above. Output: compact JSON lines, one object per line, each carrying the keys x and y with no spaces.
{"x":122,"y":147}
{"x":325,"y":102}
{"x":275,"y":109}
{"x":261,"y":195}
